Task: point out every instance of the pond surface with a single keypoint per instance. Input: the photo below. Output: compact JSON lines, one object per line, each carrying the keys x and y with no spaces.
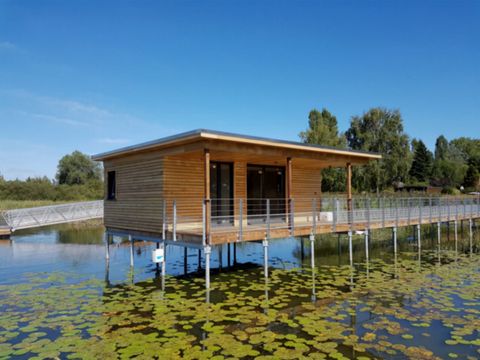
{"x":58,"y":299}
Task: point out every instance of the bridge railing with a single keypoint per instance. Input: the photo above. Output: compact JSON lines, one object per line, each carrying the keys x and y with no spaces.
{"x":53,"y":214}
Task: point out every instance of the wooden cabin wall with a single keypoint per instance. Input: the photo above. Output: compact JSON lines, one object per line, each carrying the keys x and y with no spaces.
{"x":184,"y":182}
{"x":139,"y":193}
{"x":306,"y":186}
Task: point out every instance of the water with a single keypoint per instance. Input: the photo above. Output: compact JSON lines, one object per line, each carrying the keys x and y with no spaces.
{"x":58,"y":299}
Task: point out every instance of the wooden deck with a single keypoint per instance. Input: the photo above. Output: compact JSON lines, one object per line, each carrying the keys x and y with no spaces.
{"x":298,"y":224}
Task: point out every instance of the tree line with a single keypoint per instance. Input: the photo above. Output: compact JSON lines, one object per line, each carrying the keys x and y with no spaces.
{"x":78,"y":178}
{"x":454,"y":165}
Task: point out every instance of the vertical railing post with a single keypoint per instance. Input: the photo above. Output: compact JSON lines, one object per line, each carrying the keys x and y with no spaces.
{"x":448,"y":208}
{"x":396,"y":213}
{"x":240,"y":225}
{"x":292,"y":217}
{"x":420,"y":205}
{"x":383,"y":211}
{"x":350,"y":212}
{"x":456,"y":209}
{"x":204,"y":228}
{"x":268,"y":218}
{"x":430,"y":208}
{"x":368,"y":212}
{"x":174,"y":220}
{"x":409,"y":210}
{"x":335,"y":214}
{"x":164,"y":219}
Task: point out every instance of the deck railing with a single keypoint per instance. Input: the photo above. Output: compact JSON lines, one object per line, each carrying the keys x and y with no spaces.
{"x":244,"y":217}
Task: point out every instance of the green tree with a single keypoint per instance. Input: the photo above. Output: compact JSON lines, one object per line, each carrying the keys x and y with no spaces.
{"x":450,"y":166}
{"x":323,"y":130}
{"x":472,"y":178}
{"x":380,"y":130}
{"x":77,"y":169}
{"x":422,"y":164}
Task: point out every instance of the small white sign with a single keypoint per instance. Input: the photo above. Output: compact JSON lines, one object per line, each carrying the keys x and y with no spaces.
{"x":158,"y":255}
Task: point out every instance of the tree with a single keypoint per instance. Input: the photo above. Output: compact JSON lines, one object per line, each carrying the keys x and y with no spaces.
{"x":77,"y":169}
{"x":449,"y":166}
{"x":380,"y":130}
{"x":472,"y":178}
{"x":323,"y":130}
{"x":422,"y":164}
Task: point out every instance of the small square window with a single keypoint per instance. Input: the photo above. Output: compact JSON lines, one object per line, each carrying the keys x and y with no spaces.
{"x":112,"y":186}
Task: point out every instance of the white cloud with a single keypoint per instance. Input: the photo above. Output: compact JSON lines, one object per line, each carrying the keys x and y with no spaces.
{"x":7,"y":46}
{"x":56,"y":119}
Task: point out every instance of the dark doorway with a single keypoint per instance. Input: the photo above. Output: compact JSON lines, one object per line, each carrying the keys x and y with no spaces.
{"x":221,"y":192}
{"x":265,"y":182}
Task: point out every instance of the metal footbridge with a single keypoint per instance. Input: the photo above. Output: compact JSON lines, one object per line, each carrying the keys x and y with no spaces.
{"x":12,"y":220}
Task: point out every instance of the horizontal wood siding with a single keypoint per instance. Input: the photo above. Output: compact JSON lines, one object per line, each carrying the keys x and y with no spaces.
{"x":306,"y":186}
{"x":184,"y":182}
{"x":139,"y":193}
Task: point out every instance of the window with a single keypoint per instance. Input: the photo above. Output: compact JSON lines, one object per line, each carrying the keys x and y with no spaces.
{"x":112,"y":186}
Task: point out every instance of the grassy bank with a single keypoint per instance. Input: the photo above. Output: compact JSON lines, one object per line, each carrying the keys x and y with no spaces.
{"x":21,"y":204}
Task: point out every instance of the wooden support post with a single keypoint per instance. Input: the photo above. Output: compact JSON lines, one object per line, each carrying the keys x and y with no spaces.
{"x":199,"y":259}
{"x":265,"y":257}
{"x":234,"y":254}
{"x":207,"y":250}
{"x":208,"y":208}
{"x":130,"y":239}
{"x":312,"y":250}
{"x":349,"y":186}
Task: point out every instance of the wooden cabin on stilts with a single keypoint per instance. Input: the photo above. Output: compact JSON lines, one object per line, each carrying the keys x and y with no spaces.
{"x":203,"y":189}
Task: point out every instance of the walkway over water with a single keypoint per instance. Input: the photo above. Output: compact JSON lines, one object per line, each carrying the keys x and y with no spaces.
{"x":17,"y":219}
{"x":198,"y":223}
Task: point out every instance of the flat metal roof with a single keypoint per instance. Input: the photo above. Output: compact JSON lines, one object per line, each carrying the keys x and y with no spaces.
{"x":226,"y":136}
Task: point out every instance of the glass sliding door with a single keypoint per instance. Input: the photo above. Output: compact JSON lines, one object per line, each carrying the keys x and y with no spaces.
{"x":265,"y":182}
{"x":221,"y":192}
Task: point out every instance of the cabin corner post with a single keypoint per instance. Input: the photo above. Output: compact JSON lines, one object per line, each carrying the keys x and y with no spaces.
{"x":289,"y":207}
{"x":208,"y":205}
{"x":349,"y":186}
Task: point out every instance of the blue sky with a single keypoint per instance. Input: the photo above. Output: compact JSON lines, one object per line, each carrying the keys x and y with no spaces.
{"x":94,"y":76}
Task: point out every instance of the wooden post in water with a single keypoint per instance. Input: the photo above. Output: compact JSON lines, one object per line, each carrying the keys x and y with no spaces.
{"x":455,"y":227}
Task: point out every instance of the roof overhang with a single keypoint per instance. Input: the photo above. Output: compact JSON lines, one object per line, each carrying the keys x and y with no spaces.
{"x":210,"y":135}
